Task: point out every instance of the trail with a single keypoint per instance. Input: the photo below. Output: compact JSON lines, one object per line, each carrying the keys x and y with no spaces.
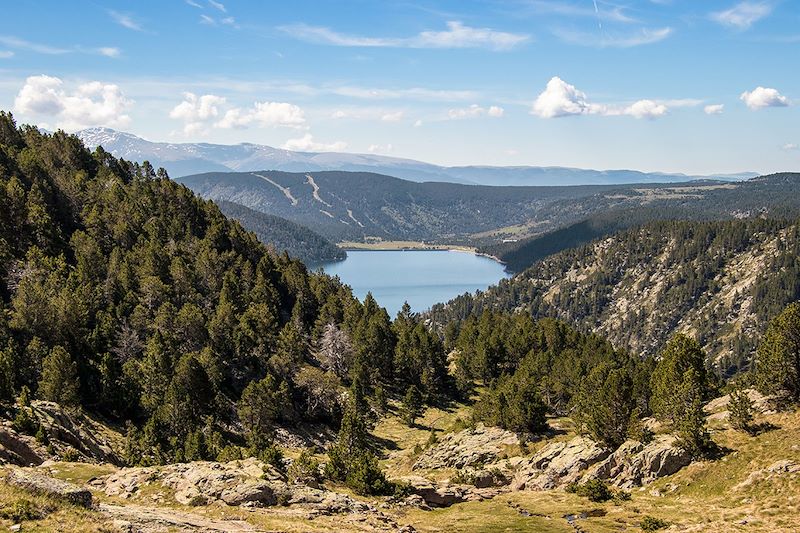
{"x":158,"y":519}
{"x":285,"y":190}
{"x":310,"y":181}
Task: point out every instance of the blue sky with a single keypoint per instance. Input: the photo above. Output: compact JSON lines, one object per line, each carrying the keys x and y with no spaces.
{"x":671,"y":85}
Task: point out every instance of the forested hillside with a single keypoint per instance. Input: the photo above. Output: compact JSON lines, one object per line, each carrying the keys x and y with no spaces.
{"x":717,"y":281}
{"x":284,"y":235}
{"x":773,"y":196}
{"x":355,"y":205}
{"x":125,"y":294}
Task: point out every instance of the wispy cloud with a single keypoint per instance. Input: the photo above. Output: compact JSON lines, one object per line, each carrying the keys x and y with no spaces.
{"x":22,"y":44}
{"x":125,"y":20}
{"x":475,"y":111}
{"x":742,"y":15}
{"x":595,"y":10}
{"x":217,"y":5}
{"x":457,"y":35}
{"x":714,"y":109}
{"x":414,"y":93}
{"x":194,"y":4}
{"x":614,"y":40}
{"x":789,"y":147}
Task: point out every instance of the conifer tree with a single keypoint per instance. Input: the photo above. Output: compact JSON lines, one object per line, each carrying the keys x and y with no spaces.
{"x":412,"y":405}
{"x":59,"y":382}
{"x":778,"y":356}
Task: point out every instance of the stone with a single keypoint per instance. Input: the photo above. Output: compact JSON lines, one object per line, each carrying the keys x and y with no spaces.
{"x":558,"y":464}
{"x":37,"y":483}
{"x":468,"y":448}
{"x":634,"y":464}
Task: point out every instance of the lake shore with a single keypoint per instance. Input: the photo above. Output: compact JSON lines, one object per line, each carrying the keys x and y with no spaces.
{"x":383,"y":246}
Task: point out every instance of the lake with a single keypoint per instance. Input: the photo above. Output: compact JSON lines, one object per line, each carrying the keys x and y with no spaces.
{"x":421,"y":277}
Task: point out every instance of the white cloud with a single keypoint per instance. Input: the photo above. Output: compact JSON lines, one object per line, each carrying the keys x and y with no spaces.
{"x":418,"y":123}
{"x":457,"y":35}
{"x":306,"y":143}
{"x":194,"y":4}
{"x":598,"y":11}
{"x":645,"y":109}
{"x":379,"y":148}
{"x":201,"y":112}
{"x":475,"y":111}
{"x":395,"y":116}
{"x":614,"y":40}
{"x":339,"y":114}
{"x":108,"y":51}
{"x":414,"y":93}
{"x":5,"y":54}
{"x":714,"y":109}
{"x":217,"y":5}
{"x":560,"y":99}
{"x":742,"y":15}
{"x":22,"y":44}
{"x":125,"y":20}
{"x":90,"y":104}
{"x":264,"y":114}
{"x":761,"y":97}
{"x":205,"y":19}
{"x":790,"y":147}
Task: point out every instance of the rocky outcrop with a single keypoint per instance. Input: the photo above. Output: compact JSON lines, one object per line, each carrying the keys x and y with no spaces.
{"x":248,"y":482}
{"x":37,"y":483}
{"x":427,"y":493}
{"x":63,"y":430}
{"x":635,"y":464}
{"x":632,"y":465}
{"x":776,"y":469}
{"x":468,"y":448}
{"x":558,"y":464}
{"x":718,"y":407}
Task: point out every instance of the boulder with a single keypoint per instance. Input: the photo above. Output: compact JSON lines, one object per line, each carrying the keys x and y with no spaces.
{"x":471,"y":447}
{"x":436,"y":495}
{"x":558,"y":464}
{"x":761,"y":403}
{"x":37,"y":483}
{"x":634,"y":464}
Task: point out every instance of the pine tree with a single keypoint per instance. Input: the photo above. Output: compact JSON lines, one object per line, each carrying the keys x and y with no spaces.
{"x":740,"y":410}
{"x":778,"y":356}
{"x":412,"y":405}
{"x":59,"y":382}
{"x":680,"y":355}
{"x":605,"y":404}
{"x":690,"y":419}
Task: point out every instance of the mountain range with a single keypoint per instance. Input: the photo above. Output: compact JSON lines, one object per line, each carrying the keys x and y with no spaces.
{"x":183,"y":159}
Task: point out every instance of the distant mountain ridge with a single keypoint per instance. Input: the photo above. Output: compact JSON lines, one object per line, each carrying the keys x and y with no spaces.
{"x":183,"y":159}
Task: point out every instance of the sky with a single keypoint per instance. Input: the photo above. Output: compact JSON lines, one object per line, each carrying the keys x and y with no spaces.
{"x":694,"y":86}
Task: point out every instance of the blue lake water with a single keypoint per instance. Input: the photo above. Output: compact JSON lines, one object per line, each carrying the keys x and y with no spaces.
{"x":422,"y":277}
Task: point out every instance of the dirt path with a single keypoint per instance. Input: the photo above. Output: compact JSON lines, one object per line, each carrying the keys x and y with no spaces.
{"x":285,"y":190}
{"x":158,"y":519}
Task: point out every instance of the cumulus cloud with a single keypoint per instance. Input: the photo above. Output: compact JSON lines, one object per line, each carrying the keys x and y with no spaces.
{"x":264,"y":114}
{"x":108,"y":51}
{"x":202,"y":112}
{"x":560,"y":99}
{"x":306,"y":143}
{"x":475,"y":111}
{"x":742,"y":15}
{"x":714,"y":109}
{"x":90,"y":104}
{"x":457,"y":35}
{"x":761,"y":97}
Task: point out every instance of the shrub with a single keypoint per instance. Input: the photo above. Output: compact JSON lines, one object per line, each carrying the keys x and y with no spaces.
{"x":198,"y":501}
{"x":70,"y":455}
{"x":365,"y":477}
{"x":650,"y":523}
{"x":740,"y":409}
{"x":24,"y":422}
{"x":305,"y":468}
{"x":230,"y":453}
{"x":595,"y":490}
{"x":20,"y":510}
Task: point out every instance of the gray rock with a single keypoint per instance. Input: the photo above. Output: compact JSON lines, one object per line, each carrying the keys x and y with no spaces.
{"x":634,"y":464}
{"x":470,"y":447}
{"x":558,"y":464}
{"x":40,"y":484}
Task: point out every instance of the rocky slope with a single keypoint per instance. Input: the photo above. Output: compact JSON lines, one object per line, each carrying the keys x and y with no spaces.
{"x":717,"y":281}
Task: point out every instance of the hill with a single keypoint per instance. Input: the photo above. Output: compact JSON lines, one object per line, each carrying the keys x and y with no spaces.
{"x":776,"y":196}
{"x":719,"y":281}
{"x":183,"y":159}
{"x":355,"y":205}
{"x":284,"y":235}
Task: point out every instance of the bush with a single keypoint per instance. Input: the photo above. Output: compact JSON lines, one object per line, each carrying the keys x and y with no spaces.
{"x":740,"y":409}
{"x":230,"y":453}
{"x":70,"y":455}
{"x":365,"y":477}
{"x":24,"y":422}
{"x":20,"y":510}
{"x":304,"y":469}
{"x":272,"y":455}
{"x":198,"y":501}
{"x":595,"y":490}
{"x":650,"y":523}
